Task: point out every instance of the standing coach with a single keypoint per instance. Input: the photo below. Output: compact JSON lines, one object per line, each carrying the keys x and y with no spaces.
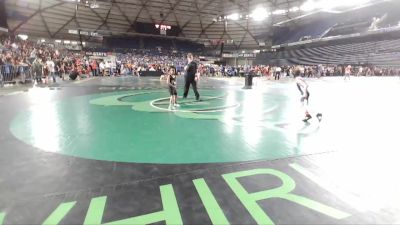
{"x":191,"y":77}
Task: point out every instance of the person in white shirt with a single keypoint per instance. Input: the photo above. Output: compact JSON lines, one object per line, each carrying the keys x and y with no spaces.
{"x":107,"y":68}
{"x":278,"y":71}
{"x":32,"y":56}
{"x":347,"y":72}
{"x":102,"y":66}
{"x":360,"y":71}
{"x":51,"y":68}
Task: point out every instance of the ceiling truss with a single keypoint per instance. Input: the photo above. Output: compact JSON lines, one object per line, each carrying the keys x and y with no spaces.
{"x":195,"y":18}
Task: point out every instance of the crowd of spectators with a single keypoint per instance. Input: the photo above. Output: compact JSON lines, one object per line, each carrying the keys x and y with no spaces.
{"x":135,"y":62}
{"x":40,"y":61}
{"x":45,"y":62}
{"x":335,"y":70}
{"x":305,"y":71}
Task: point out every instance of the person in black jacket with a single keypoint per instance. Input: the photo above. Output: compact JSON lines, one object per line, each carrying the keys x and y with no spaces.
{"x":191,"y":77}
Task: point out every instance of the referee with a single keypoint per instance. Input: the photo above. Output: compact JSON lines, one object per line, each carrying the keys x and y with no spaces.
{"x":190,"y":77}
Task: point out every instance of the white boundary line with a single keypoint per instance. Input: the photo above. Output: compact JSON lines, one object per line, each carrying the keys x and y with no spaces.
{"x":192,"y":111}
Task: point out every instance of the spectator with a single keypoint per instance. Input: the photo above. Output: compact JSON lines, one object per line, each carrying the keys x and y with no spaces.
{"x":51,"y":70}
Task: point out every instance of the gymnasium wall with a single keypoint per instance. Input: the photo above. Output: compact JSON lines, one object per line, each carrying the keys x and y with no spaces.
{"x":3,"y":15}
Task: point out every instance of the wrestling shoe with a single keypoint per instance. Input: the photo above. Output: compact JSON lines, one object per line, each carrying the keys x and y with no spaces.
{"x":307,"y":118}
{"x":319,"y":117}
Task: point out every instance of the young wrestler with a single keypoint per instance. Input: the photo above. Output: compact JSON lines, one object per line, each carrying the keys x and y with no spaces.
{"x":171,"y":81}
{"x":303,"y":88}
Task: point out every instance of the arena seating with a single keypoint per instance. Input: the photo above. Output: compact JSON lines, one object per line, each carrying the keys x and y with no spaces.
{"x":384,"y":52}
{"x":314,"y":30}
{"x":321,"y":25}
{"x":152,"y":43}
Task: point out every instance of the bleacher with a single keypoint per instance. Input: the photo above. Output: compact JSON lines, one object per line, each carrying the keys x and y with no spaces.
{"x":152,"y":43}
{"x":122,"y":42}
{"x":383,"y":52}
{"x":188,"y":46}
{"x":350,"y":27}
{"x":314,"y":30}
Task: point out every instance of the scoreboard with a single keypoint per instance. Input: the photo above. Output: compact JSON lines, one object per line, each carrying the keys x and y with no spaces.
{"x":156,"y":29}
{"x":163,"y":28}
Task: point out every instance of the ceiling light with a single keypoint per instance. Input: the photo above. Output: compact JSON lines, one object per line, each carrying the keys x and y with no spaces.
{"x":234,"y":16}
{"x":259,"y":14}
{"x":311,"y":5}
{"x":279,"y":12}
{"x":57,"y":41}
{"x":308,"y":5}
{"x":294,"y":9}
{"x":94,"y":5}
{"x":327,"y":4}
{"x":23,"y":36}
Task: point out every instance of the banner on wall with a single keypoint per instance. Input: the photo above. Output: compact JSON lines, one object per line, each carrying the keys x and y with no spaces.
{"x":238,"y":55}
{"x":100,"y":54}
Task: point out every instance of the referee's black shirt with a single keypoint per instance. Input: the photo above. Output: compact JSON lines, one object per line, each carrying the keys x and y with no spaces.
{"x":191,"y":70}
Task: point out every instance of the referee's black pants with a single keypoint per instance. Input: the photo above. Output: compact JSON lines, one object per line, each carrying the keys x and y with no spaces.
{"x":188,"y":82}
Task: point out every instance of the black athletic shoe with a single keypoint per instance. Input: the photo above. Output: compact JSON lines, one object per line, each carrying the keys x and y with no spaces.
{"x":198,"y":98}
{"x":319,"y":117}
{"x":308,"y":117}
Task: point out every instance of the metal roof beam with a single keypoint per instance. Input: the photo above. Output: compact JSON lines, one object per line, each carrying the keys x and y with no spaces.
{"x":200,"y":10}
{"x":171,"y":10}
{"x":63,"y":26}
{"x":123,"y":14}
{"x":34,"y":14}
{"x":147,"y":10}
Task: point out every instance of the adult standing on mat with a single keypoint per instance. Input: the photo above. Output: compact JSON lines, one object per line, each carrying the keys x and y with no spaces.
{"x":191,"y":77}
